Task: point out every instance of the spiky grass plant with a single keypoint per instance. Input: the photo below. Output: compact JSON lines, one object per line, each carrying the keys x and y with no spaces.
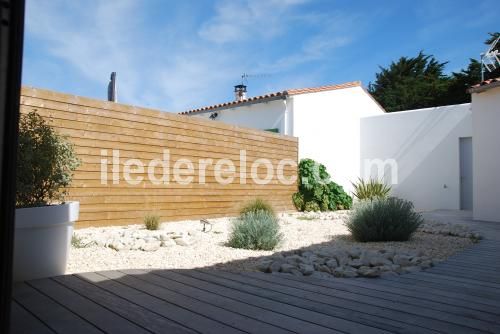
{"x":370,"y":189}
{"x":383,"y":219}
{"x":152,"y":222}
{"x":257,"y":205}
{"x":256,"y":230}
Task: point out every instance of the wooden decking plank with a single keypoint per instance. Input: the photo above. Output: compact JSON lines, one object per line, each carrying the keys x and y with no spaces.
{"x":262,"y":320}
{"x":59,"y":318}
{"x":446,"y":275}
{"x":319,"y":285}
{"x":397,"y":292}
{"x":334,"y":318}
{"x":469,"y":266}
{"x":423,"y":289}
{"x":147,"y":320}
{"x":24,"y":322}
{"x":155,"y":288}
{"x":386,"y":303}
{"x":446,"y":285}
{"x":482,"y":278}
{"x":103,"y":318}
{"x":474,"y":256}
{"x":162,"y":312}
{"x":355,"y":303}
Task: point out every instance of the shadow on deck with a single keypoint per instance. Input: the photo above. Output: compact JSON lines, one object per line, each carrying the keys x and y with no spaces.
{"x":460,"y":295}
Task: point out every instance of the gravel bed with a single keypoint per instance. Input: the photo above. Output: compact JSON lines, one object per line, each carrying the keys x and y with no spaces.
{"x":183,"y":245}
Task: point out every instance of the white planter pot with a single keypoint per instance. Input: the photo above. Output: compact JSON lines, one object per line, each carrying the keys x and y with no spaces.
{"x":42,"y":240}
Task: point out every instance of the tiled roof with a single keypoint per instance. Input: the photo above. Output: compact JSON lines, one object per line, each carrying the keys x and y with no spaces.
{"x":482,"y":86}
{"x":289,"y":92}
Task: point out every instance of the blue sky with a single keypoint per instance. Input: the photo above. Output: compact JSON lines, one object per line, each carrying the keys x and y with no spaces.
{"x":177,"y":55}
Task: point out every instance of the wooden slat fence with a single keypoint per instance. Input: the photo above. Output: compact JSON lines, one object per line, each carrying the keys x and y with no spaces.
{"x":143,"y":134}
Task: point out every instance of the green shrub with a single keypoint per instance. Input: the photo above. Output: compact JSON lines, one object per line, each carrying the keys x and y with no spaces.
{"x":257,"y":205}
{"x":298,"y":201}
{"x":77,"y":242}
{"x":370,"y":189}
{"x":312,"y":206}
{"x":152,"y":222}
{"x":316,"y":191}
{"x":45,"y":163}
{"x":383,"y":219}
{"x":255,"y":230}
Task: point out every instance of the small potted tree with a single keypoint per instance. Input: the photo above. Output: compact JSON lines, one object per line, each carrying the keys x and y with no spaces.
{"x":44,"y":222}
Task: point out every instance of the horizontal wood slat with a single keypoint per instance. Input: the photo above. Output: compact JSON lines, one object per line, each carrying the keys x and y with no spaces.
{"x":143,"y":134}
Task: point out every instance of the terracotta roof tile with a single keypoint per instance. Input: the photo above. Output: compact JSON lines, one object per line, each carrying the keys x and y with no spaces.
{"x":264,"y":97}
{"x":479,"y":86}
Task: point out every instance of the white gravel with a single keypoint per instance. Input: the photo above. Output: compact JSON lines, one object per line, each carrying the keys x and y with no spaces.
{"x":306,"y":231}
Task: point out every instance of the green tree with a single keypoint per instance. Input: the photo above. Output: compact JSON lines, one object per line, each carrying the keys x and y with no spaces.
{"x":411,"y":83}
{"x":459,"y":82}
{"x":420,"y":82}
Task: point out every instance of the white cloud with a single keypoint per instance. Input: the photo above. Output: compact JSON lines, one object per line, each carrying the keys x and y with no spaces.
{"x":238,"y":21}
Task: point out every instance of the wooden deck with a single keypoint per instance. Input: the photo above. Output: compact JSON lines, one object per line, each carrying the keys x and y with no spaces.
{"x":461,"y":295}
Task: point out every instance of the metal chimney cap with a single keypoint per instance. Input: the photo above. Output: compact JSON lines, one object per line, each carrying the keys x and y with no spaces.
{"x":240,"y":88}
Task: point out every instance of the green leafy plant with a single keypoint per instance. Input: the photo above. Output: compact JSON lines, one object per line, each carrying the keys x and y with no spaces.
{"x":257,"y":205}
{"x":45,"y":163}
{"x":383,"y":219}
{"x":316,"y":191}
{"x":312,"y":206}
{"x":370,"y":189}
{"x":152,"y":222}
{"x":257,"y":230}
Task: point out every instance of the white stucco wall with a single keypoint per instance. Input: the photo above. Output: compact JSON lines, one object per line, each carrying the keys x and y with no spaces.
{"x":425,"y":145}
{"x":328,"y":127}
{"x":262,"y":116}
{"x":486,"y":146}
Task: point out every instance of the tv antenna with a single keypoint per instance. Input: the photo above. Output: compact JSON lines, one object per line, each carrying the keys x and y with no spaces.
{"x":490,"y":60}
{"x":245,"y":76}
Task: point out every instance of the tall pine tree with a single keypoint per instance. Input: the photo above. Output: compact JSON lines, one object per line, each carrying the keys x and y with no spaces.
{"x":420,"y":82}
{"x":410,"y":83}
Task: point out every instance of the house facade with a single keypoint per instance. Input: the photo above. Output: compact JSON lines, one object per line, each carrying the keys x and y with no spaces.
{"x":325,"y":119}
{"x":486,"y":150}
{"x":440,"y":158}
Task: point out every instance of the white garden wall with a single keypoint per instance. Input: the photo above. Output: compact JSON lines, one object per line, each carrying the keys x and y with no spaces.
{"x":486,"y":145}
{"x":425,"y":145}
{"x":328,"y":127}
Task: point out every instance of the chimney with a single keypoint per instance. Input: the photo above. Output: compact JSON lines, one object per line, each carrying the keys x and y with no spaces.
{"x":112,"y":95}
{"x":240,"y":92}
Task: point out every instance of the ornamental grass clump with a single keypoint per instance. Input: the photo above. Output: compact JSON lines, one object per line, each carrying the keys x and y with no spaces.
{"x":257,"y":205}
{"x":370,"y":189}
{"x":45,"y":163}
{"x":256,"y":230}
{"x":152,"y":222}
{"x":383,"y":219}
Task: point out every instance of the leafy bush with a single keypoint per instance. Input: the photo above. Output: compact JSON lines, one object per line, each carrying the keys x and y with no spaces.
{"x":383,"y":219}
{"x":152,"y":222}
{"x":255,"y":230}
{"x":298,"y":201}
{"x":257,"y":205}
{"x":312,"y":206}
{"x":370,"y":189}
{"x":316,"y":191}
{"x":45,"y":163}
